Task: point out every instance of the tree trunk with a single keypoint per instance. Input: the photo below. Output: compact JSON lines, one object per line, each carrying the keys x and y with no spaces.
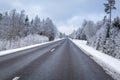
{"x":110,"y":14}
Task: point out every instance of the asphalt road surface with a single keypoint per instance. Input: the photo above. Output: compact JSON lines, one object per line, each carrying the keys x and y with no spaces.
{"x":61,"y":60}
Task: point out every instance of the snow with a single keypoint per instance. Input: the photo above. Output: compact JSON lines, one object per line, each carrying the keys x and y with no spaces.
{"x":30,"y":39}
{"x":110,"y":64}
{"x":24,"y":48}
{"x":16,"y":78}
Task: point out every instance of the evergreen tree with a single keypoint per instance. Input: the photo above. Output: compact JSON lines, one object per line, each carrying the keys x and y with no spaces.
{"x":109,"y":6}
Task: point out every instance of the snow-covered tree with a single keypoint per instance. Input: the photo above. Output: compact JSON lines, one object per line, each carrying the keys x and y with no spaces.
{"x":86,"y":31}
{"x":111,"y":45}
{"x":15,"y":26}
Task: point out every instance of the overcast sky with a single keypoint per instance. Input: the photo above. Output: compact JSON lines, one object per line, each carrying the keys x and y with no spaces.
{"x":67,"y":15}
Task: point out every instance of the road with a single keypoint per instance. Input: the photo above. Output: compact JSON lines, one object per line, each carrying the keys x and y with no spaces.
{"x":61,"y":60}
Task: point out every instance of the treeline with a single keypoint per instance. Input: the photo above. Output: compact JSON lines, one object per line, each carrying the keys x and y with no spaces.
{"x":103,"y":35}
{"x":18,"y":30}
{"x":86,"y":31}
{"x":14,"y":25}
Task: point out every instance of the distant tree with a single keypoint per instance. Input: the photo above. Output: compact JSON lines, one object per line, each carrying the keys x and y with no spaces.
{"x":49,"y":29}
{"x":37,"y":25}
{"x":32,"y":21}
{"x":0,"y":16}
{"x":104,"y":19}
{"x":26,"y":20}
{"x":109,"y":6}
{"x":12,"y":29}
{"x":116,"y":22}
{"x":89,"y":29}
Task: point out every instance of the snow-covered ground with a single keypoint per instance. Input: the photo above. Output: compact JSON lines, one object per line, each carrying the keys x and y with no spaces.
{"x":23,"y":48}
{"x":110,"y":64}
{"x":22,"y":42}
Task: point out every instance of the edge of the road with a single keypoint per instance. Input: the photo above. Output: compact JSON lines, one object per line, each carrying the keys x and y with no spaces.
{"x":5,"y":52}
{"x":109,"y":70}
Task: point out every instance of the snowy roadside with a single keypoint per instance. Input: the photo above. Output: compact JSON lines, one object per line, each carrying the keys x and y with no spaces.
{"x":109,"y":64}
{"x":24,"y":48}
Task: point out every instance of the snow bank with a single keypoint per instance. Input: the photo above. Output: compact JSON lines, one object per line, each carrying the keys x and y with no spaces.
{"x":23,"y":48}
{"x":22,"y":42}
{"x":110,"y":64}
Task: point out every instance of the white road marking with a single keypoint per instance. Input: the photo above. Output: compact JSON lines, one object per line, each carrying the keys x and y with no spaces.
{"x":16,"y":78}
{"x":52,"y":50}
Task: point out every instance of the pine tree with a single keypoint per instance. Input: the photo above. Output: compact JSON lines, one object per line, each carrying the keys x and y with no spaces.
{"x":109,"y":6}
